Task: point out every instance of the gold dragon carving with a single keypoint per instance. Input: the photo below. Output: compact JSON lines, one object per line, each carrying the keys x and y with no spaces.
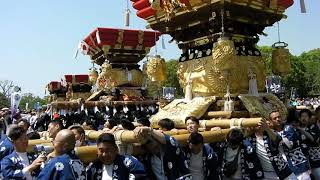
{"x":210,"y":71}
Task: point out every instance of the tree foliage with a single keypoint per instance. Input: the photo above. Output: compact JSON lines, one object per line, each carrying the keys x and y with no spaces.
{"x":171,"y":81}
{"x":305,"y":74}
{"x":4,"y":101}
{"x":6,"y":87}
{"x":32,"y":101}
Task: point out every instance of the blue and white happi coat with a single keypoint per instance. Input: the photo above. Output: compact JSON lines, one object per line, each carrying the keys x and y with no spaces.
{"x":279,"y":164}
{"x":6,"y":148}
{"x":249,"y":163}
{"x":64,"y":167}
{"x":124,"y":168}
{"x":291,"y":141}
{"x":174,"y":161}
{"x":12,"y":166}
{"x":314,"y":147}
{"x":209,"y":161}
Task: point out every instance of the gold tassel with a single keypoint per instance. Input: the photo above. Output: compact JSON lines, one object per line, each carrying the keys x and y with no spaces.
{"x":303,"y":6}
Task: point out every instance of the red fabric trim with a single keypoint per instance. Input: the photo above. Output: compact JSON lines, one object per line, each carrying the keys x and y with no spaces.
{"x":146,"y":12}
{"x":141,"y":4}
{"x":285,"y":3}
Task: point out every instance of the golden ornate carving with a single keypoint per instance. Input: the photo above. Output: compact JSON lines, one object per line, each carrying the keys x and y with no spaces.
{"x":93,"y":75}
{"x":156,"y":69}
{"x":113,"y":77}
{"x":209,"y":72}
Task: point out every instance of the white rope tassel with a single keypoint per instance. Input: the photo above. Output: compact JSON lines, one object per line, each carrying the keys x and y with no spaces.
{"x":114,"y":109}
{"x":232,"y":122}
{"x":253,"y":89}
{"x":127,"y":18}
{"x":107,"y":109}
{"x":82,"y":107}
{"x":228,"y":103}
{"x":125,"y":109}
{"x":240,"y":122}
{"x":96,"y":109}
{"x":137,"y":108}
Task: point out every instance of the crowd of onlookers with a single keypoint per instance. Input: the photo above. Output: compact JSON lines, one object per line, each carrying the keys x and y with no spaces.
{"x":278,"y":148}
{"x":313,"y":102}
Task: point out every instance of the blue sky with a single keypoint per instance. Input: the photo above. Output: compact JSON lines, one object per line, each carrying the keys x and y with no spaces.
{"x":40,"y":37}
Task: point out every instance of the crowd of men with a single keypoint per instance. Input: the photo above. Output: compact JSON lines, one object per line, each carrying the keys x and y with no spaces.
{"x":278,"y":148}
{"x":313,"y":102}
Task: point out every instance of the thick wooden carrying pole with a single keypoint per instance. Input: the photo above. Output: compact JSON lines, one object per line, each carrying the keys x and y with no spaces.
{"x":93,"y":135}
{"x":208,"y":136}
{"x":89,"y":153}
{"x":225,"y":123}
{"x":226,"y":114}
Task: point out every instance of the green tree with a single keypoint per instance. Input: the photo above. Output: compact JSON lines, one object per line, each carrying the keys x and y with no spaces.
{"x":172,"y":77}
{"x":304,"y":75}
{"x":311,"y":61}
{"x":32,"y":101}
{"x":4,"y":102}
{"x":266,"y":52}
{"x":171,"y":81}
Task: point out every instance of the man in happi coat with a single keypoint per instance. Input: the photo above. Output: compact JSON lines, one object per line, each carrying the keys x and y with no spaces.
{"x":111,"y":165}
{"x":20,"y":164}
{"x":164,"y":159}
{"x":66,"y":165}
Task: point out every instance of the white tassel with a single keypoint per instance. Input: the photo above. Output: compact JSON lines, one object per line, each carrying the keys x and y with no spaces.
{"x":137,"y":108}
{"x":127,"y":17}
{"x":125,"y":109}
{"x":303,"y":6}
{"x":228,"y":103}
{"x":253,"y":89}
{"x":107,"y":109}
{"x":162,"y":42}
{"x":114,"y":110}
{"x":96,"y":109}
{"x":86,"y":111}
{"x":188,"y":93}
{"x":142,"y":109}
{"x":82,"y":107}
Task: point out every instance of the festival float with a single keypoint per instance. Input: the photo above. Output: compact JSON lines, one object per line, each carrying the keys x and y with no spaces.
{"x":120,"y":86}
{"x":221,"y":70}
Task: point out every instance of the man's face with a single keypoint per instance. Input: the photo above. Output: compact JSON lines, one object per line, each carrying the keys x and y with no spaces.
{"x":78,"y":137}
{"x":305,"y":119}
{"x":24,"y":125}
{"x":192,"y":126}
{"x":107,"y":153}
{"x":59,"y":146}
{"x":53,"y":129}
{"x":21,"y":144}
{"x":276,"y":119}
{"x":195,"y":148}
